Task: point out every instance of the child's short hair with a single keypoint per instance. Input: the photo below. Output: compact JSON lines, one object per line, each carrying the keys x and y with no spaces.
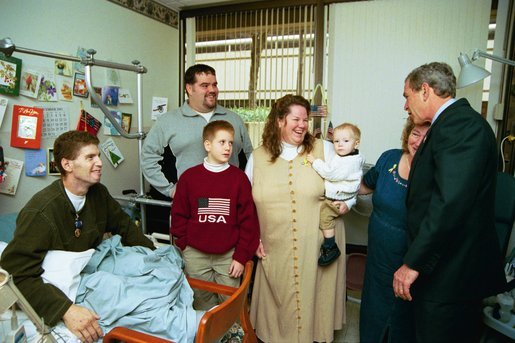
{"x":210,"y":130}
{"x":353,"y":128}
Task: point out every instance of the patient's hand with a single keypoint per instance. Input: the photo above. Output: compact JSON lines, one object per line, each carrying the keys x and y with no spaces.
{"x":236,"y":269}
{"x":83,"y":323}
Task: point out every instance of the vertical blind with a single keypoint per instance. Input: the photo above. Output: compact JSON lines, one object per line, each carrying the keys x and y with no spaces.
{"x":259,"y":55}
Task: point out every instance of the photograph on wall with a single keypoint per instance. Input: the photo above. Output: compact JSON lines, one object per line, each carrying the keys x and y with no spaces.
{"x":30,"y":81}
{"x":64,"y":88}
{"x":110,"y":96}
{"x":47,"y":88}
{"x":109,"y":128}
{"x":79,"y":86}
{"x":126,"y":122}
{"x":35,"y":162}
{"x":112,"y":152}
{"x":63,"y":68}
{"x":98,"y":92}
{"x":12,"y":172}
{"x":52,"y":166}
{"x":10,"y":73}
{"x":26,"y":127}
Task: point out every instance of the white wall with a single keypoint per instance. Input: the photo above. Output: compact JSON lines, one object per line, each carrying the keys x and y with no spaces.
{"x":117,"y":34}
{"x":373,"y":45}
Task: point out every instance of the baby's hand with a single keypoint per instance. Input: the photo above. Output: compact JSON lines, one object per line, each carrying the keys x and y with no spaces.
{"x":310,"y":158}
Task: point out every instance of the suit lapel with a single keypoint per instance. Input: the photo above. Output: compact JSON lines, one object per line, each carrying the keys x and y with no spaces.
{"x":426,"y":142}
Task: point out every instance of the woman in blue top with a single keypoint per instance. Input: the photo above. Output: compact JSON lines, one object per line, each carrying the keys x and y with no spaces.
{"x":384,"y":318}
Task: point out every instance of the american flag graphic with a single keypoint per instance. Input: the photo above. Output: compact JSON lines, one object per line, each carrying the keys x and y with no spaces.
{"x":218,"y":206}
{"x":88,"y":123}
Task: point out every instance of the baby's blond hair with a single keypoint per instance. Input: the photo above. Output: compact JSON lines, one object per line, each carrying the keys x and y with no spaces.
{"x":353,"y":128}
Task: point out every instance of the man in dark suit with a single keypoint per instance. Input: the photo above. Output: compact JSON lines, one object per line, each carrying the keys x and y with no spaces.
{"x":454,"y":258}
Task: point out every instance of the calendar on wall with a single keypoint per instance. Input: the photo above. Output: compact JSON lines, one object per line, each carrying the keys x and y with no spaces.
{"x":55,"y":121}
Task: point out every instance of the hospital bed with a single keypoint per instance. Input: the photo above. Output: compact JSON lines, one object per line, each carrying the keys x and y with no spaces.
{"x":214,"y":323}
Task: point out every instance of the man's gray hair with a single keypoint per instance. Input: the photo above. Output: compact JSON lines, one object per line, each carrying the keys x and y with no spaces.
{"x":437,"y":75}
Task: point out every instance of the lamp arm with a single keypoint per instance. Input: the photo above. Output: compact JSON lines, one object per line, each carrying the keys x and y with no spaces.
{"x":479,"y":53}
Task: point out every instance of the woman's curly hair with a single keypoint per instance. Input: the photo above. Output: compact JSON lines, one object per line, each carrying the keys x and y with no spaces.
{"x":272,"y":133}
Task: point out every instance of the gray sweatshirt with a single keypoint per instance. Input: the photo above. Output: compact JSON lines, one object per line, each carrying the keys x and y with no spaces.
{"x":181,"y":129}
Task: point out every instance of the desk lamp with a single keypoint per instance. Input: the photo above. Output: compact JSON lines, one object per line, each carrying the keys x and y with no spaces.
{"x":471,"y":73}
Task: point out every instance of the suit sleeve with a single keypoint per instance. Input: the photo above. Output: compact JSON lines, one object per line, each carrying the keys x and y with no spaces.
{"x":461,"y":152}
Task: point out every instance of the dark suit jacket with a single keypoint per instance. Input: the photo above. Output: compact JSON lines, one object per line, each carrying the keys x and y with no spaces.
{"x":450,"y":201}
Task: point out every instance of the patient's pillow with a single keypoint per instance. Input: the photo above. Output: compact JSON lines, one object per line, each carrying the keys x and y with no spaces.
{"x":63,"y":268}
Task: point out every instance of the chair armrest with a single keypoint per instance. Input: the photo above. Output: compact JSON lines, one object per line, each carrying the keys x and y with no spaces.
{"x":128,"y":335}
{"x":211,"y":286}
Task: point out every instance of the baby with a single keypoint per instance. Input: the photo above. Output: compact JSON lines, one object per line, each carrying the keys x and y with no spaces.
{"x":342,"y":175}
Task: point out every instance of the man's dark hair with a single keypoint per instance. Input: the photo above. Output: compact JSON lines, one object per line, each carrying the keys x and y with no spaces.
{"x":190,"y":77}
{"x":68,"y":146}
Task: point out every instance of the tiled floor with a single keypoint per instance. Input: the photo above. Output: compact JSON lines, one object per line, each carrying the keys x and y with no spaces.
{"x":350,"y":332}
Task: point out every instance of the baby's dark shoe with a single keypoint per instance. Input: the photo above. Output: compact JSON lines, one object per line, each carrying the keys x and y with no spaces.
{"x":328,"y":255}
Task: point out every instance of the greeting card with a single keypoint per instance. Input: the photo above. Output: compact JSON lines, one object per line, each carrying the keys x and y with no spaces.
{"x":3,"y":107}
{"x":112,"y":152}
{"x":12,"y":174}
{"x":35,"y":162}
{"x":47,"y":88}
{"x":30,"y":81}
{"x":109,"y":128}
{"x":26,"y":127}
{"x":10,"y":73}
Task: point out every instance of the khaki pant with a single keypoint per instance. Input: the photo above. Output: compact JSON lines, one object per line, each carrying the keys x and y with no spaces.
{"x":328,"y":215}
{"x":208,"y":267}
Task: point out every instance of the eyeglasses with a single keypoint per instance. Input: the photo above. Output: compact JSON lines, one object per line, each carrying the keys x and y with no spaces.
{"x":78,"y":225}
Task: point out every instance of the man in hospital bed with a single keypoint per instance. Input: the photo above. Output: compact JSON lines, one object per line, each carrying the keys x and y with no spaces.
{"x":71,"y":214}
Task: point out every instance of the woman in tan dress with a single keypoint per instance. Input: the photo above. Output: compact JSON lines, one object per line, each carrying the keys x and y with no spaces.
{"x":293,"y":299}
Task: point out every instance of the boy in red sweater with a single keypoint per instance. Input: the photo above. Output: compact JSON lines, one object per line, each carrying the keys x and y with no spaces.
{"x":214,"y":219}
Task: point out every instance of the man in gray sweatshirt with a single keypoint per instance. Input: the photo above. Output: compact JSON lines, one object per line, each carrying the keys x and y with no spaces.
{"x":181,"y":130}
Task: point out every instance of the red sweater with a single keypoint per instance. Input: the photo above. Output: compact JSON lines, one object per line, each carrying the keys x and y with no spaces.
{"x":214,"y":212}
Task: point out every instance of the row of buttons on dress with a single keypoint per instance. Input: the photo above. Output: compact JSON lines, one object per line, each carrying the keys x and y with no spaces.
{"x":294,"y":242}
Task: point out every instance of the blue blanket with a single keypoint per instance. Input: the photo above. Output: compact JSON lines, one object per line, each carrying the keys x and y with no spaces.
{"x":141,"y":289}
